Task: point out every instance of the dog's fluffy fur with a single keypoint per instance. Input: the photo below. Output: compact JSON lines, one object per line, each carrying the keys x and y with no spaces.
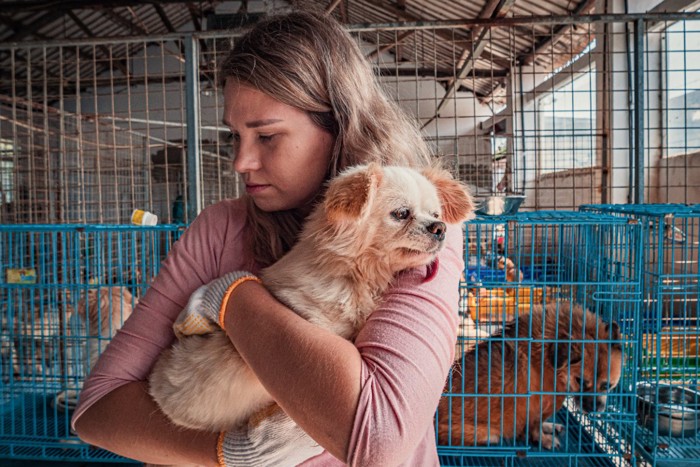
{"x":104,"y":311}
{"x":547,"y":350}
{"x":351,"y":247}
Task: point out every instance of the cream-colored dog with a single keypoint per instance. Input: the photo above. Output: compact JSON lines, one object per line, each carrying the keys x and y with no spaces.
{"x":374,"y":222}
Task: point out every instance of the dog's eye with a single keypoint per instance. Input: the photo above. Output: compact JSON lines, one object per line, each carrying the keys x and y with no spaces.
{"x":401,"y":214}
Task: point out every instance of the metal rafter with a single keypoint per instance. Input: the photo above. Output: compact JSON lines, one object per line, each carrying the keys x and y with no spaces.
{"x":18,"y":26}
{"x":120,"y":64}
{"x":195,"y":17}
{"x":493,"y":9}
{"x":31,"y":29}
{"x":559,"y":32}
{"x":331,"y":6}
{"x":56,"y":5}
{"x":405,"y":16}
{"x":119,"y":19}
{"x":386,"y":47}
{"x":164,"y":17}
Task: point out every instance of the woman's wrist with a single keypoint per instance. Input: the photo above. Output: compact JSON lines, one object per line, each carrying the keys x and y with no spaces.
{"x":234,"y":300}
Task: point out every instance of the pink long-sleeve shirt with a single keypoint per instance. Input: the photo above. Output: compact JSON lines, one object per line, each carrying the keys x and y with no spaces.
{"x":407,"y":345}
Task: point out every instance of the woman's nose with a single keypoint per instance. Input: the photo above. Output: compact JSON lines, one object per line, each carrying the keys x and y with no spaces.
{"x":246,"y":158}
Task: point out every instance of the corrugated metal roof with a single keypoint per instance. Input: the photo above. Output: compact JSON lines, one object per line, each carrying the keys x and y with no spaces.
{"x":438,"y":53}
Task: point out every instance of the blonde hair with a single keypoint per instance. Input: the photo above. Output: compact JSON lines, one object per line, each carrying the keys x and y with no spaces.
{"x":308,"y":61}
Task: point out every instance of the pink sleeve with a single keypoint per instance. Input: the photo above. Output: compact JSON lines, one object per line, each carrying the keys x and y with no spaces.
{"x":407,"y":347}
{"x":209,"y":248}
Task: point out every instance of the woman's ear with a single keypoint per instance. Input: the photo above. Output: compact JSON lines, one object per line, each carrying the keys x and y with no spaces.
{"x":349,"y":193}
{"x":457,"y":204}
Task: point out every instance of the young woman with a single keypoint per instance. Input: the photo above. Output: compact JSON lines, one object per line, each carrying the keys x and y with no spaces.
{"x":302,"y":104}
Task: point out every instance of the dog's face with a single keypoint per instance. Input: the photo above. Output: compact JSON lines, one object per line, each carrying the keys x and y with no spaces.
{"x":402,"y":212}
{"x":598,"y":369}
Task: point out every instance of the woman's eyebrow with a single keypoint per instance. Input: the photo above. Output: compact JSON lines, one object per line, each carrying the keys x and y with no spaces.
{"x":259,"y":123}
{"x":255,"y":123}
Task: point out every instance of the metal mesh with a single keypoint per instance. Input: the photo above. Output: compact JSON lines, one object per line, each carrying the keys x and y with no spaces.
{"x":65,"y":292}
{"x":515,"y":264}
{"x":566,"y":111}
{"x":669,"y":373}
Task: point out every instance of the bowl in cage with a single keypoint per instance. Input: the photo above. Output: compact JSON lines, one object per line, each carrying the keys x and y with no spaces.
{"x":673,"y":408}
{"x":496,"y":205}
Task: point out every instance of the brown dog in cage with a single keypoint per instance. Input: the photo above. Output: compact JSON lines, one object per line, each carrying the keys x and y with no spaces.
{"x":511,"y":383}
{"x":105,"y":312}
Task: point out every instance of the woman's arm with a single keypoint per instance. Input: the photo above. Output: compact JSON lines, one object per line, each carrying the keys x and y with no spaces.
{"x":313,"y":375}
{"x":370,"y":402}
{"x":115,"y":410}
{"x":127,"y":421}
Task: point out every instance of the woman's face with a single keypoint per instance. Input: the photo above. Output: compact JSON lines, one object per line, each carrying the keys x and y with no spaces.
{"x":281,"y":154}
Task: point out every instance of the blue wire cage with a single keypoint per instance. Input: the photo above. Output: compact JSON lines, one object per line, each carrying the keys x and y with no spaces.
{"x":64,"y":292}
{"x":519,"y":264}
{"x":669,"y":346}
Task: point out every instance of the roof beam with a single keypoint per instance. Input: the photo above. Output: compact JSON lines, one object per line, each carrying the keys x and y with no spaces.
{"x":405,"y":16}
{"x":18,"y":6}
{"x":31,"y":29}
{"x":331,"y":6}
{"x":164,"y":17}
{"x":195,"y":17}
{"x":492,"y":9}
{"x":559,"y":32}
{"x":120,"y":20}
{"x":120,"y":64}
{"x":391,"y":45}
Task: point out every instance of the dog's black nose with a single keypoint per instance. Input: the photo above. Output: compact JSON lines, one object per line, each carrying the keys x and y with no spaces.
{"x":437,"y":229}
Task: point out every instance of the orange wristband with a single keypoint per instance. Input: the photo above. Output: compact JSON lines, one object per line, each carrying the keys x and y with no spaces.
{"x":220,"y":449}
{"x":229,"y":291}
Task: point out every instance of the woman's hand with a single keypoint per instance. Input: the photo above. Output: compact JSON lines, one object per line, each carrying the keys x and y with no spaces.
{"x":206,"y":307}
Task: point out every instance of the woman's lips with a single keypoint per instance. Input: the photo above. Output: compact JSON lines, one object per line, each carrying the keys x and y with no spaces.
{"x":254,"y":189}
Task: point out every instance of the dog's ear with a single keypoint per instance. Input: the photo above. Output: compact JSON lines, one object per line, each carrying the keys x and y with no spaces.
{"x":613,"y":331}
{"x":567,"y":355}
{"x":348,"y":194}
{"x":457,"y":204}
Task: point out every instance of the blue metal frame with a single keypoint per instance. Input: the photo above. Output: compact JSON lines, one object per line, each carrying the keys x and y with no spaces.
{"x":669,"y":339}
{"x":562,"y":257}
{"x":46,"y":343}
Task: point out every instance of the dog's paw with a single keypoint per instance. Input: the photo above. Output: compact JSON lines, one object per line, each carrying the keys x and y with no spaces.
{"x":546,"y":435}
{"x":550,"y":441}
{"x":552,"y":428}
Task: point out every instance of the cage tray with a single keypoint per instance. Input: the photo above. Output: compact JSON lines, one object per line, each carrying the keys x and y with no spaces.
{"x":585,"y":454}
{"x":33,"y":427}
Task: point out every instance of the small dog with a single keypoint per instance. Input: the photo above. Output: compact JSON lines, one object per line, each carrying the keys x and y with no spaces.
{"x":373,"y":223}
{"x":545,"y":351}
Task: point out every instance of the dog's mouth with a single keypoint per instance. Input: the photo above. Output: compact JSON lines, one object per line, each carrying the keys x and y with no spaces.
{"x":412,"y":252}
{"x":416,"y":252}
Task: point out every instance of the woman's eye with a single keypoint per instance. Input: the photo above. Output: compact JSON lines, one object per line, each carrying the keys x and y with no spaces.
{"x":266,"y":138}
{"x":232,"y":137}
{"x":401,"y":214}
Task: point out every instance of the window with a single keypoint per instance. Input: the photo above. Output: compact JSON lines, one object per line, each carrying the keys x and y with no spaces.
{"x":566,"y":119}
{"x":7,"y":172}
{"x":682,"y":96}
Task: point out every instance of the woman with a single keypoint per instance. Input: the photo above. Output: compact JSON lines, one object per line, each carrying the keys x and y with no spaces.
{"x":302,"y":104}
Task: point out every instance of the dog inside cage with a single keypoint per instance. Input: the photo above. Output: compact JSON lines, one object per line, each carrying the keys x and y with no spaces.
{"x":509,"y":385}
{"x":544,"y":361}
